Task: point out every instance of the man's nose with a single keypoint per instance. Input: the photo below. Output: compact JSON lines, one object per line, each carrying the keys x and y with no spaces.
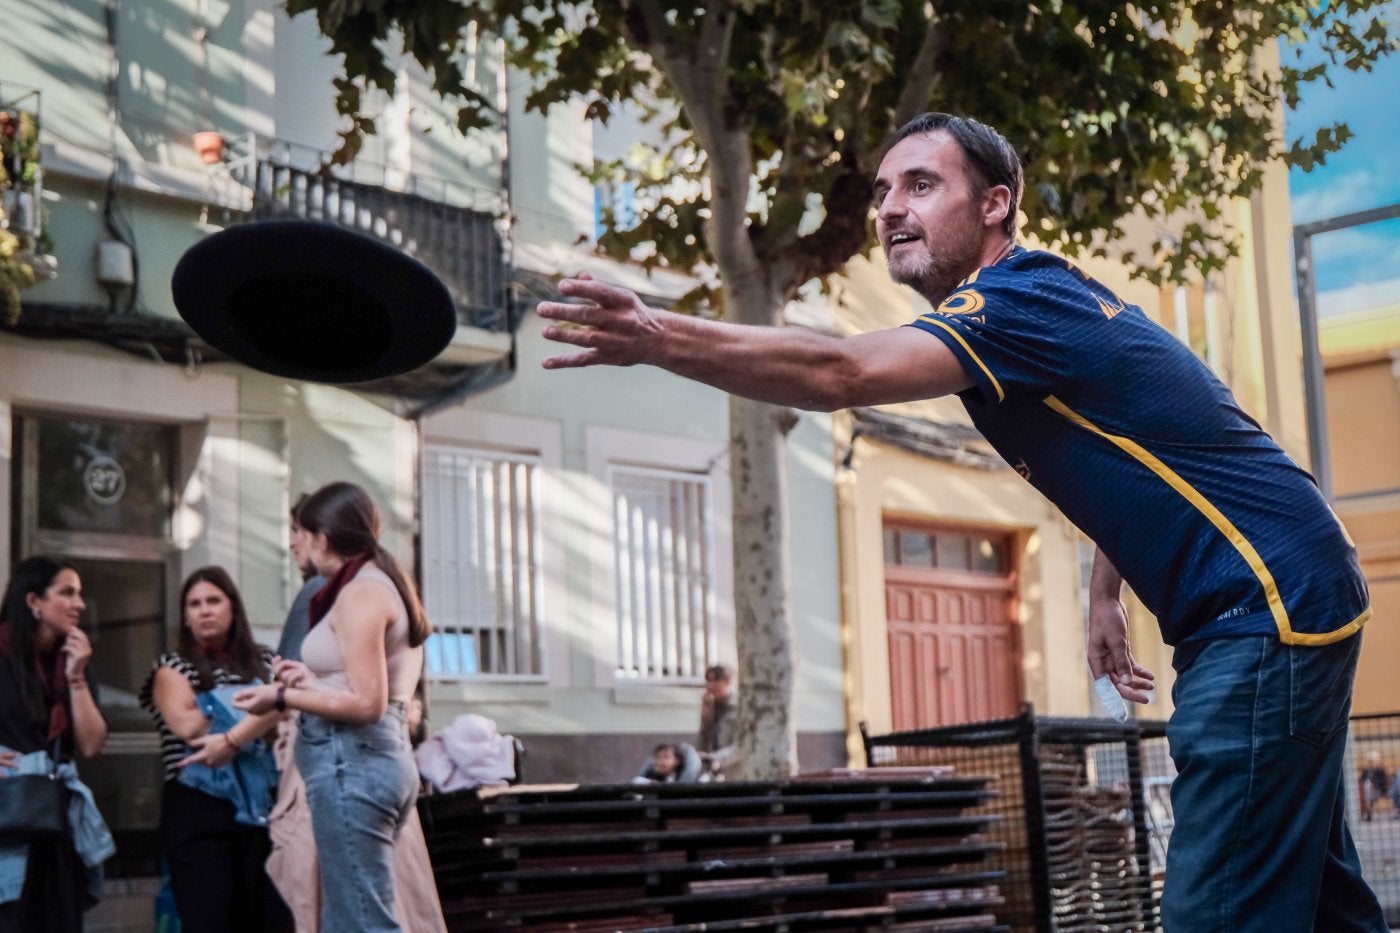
{"x":891,"y":206}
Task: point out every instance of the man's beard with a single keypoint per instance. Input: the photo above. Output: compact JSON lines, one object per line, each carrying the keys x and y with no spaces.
{"x":948,"y":257}
{"x":935,"y":276}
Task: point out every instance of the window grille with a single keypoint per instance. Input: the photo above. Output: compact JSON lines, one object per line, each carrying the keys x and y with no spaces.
{"x":664,"y":573}
{"x":481,"y":575}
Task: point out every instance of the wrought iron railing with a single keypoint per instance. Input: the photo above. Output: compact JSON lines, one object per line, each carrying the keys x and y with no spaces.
{"x":462,"y":245}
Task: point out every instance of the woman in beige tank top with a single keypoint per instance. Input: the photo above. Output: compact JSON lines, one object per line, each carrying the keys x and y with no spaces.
{"x":359,"y":664}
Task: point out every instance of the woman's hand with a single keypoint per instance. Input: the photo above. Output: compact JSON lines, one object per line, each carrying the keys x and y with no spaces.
{"x":9,"y":758}
{"x":291,"y":673}
{"x":77,"y":651}
{"x":257,"y":700}
{"x":213,"y":751}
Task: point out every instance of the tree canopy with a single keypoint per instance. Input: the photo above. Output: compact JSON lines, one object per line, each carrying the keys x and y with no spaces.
{"x":772,"y":116}
{"x":1166,"y":108}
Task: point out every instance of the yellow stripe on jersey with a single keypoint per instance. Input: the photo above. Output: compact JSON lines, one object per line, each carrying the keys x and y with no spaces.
{"x":931,"y":319}
{"x":1225,"y":526}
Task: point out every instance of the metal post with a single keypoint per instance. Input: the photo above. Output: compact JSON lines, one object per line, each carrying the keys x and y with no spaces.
{"x":1033,"y":808}
{"x":1314,"y":401}
{"x":1313,"y":373}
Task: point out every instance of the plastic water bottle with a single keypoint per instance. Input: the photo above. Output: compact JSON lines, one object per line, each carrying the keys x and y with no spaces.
{"x":1111,"y":699}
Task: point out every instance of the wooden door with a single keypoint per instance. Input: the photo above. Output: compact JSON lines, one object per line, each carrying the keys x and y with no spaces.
{"x":954,"y":642}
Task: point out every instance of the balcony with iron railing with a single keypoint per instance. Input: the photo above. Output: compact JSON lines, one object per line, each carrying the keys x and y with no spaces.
{"x":457,"y":230}
{"x":454,"y":229}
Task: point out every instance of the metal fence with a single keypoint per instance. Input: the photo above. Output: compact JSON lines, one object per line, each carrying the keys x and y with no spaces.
{"x":1080,"y":813}
{"x":1086,"y":817}
{"x":1373,"y":807}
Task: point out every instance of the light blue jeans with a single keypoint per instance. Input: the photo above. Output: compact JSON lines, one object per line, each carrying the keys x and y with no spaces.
{"x":360,"y":783}
{"x":1260,"y":843}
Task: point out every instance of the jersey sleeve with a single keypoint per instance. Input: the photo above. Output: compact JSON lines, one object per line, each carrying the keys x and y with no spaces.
{"x":1016,"y":331}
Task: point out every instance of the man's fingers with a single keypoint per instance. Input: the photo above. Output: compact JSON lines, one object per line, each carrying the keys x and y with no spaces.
{"x":563,"y":311}
{"x":576,"y":361}
{"x":597,"y":292}
{"x":578,"y":336}
{"x":600,"y":302}
{"x":1137,"y":696}
{"x":1136,"y":686}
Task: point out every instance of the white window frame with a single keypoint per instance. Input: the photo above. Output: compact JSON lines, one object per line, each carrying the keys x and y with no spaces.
{"x":610,"y":450}
{"x":663,"y":570}
{"x":518,"y":438}
{"x":496,"y":563}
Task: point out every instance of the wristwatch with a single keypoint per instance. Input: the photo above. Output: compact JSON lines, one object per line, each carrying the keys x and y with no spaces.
{"x":281,"y":704}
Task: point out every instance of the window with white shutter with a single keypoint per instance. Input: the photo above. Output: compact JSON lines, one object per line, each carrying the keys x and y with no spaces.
{"x":664,"y":573}
{"x":481,"y":572}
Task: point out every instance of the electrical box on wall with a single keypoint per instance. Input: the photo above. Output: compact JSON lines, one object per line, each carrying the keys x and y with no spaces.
{"x":114,"y":263}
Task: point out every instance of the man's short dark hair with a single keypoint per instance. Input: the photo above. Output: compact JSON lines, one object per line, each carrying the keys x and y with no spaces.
{"x":718,"y":672}
{"x":986,"y":153}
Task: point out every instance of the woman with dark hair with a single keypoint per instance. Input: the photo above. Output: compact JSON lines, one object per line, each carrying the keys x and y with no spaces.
{"x":215,"y":842}
{"x":360,"y":663}
{"x":46,"y":703}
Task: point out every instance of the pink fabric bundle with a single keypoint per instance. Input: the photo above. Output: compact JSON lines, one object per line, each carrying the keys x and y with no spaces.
{"x":468,"y":753}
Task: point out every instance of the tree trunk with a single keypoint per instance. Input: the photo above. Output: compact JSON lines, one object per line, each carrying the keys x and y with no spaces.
{"x":763,"y":621}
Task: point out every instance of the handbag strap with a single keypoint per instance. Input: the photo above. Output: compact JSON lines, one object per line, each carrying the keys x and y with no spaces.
{"x":53,"y":757}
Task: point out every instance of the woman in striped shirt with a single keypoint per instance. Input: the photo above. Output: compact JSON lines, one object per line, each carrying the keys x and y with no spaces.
{"x":215,"y":860}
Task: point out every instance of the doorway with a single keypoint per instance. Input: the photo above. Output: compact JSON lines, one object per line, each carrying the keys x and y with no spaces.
{"x":100,"y":494}
{"x":950,"y":610}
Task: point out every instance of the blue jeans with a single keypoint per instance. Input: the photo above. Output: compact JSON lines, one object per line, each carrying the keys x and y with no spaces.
{"x":360,"y":783}
{"x":1260,"y":843}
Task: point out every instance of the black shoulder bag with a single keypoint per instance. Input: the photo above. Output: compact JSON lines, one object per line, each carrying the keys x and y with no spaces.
{"x":33,"y":805}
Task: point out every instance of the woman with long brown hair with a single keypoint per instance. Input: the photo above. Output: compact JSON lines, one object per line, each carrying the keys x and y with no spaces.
{"x":360,"y":663}
{"x":46,"y":704}
{"x":212,"y":846}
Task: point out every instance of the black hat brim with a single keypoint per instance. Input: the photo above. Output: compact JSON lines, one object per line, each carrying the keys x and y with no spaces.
{"x":308,"y":300}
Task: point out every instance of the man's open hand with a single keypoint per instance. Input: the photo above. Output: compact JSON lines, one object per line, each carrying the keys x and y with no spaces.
{"x":613,"y":326}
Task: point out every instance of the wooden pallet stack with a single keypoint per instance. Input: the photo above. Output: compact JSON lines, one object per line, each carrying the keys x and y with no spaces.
{"x":855,"y":853}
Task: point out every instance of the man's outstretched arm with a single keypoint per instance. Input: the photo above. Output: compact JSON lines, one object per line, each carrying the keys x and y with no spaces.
{"x":781,"y":365}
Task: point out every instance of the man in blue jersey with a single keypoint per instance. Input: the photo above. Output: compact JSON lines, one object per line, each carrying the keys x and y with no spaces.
{"x":1227,"y":541}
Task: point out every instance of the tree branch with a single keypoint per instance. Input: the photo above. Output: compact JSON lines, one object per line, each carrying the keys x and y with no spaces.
{"x":923,"y":75}
{"x":699,"y":76}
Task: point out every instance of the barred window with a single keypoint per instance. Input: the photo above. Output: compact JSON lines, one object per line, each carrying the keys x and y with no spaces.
{"x":481,"y":575}
{"x":664,"y":573}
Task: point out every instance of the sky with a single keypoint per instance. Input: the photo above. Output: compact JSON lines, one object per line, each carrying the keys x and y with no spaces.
{"x":1359,"y":267}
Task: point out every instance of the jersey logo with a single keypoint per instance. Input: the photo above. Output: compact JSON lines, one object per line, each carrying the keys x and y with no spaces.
{"x":967,"y":301}
{"x":1111,"y":310}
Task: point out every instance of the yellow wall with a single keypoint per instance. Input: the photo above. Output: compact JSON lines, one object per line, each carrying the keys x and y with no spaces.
{"x":1362,"y":388}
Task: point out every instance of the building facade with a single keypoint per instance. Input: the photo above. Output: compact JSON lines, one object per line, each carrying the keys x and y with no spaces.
{"x":569,"y":531}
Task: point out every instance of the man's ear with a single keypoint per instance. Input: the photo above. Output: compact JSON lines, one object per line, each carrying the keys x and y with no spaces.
{"x":996,"y":206}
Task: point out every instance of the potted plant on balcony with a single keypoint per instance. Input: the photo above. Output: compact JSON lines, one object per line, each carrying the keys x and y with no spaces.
{"x":210,"y":146}
{"x":24,"y":258}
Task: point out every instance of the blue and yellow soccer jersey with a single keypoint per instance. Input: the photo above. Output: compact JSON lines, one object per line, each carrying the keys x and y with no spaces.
{"x":1140,"y":445}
